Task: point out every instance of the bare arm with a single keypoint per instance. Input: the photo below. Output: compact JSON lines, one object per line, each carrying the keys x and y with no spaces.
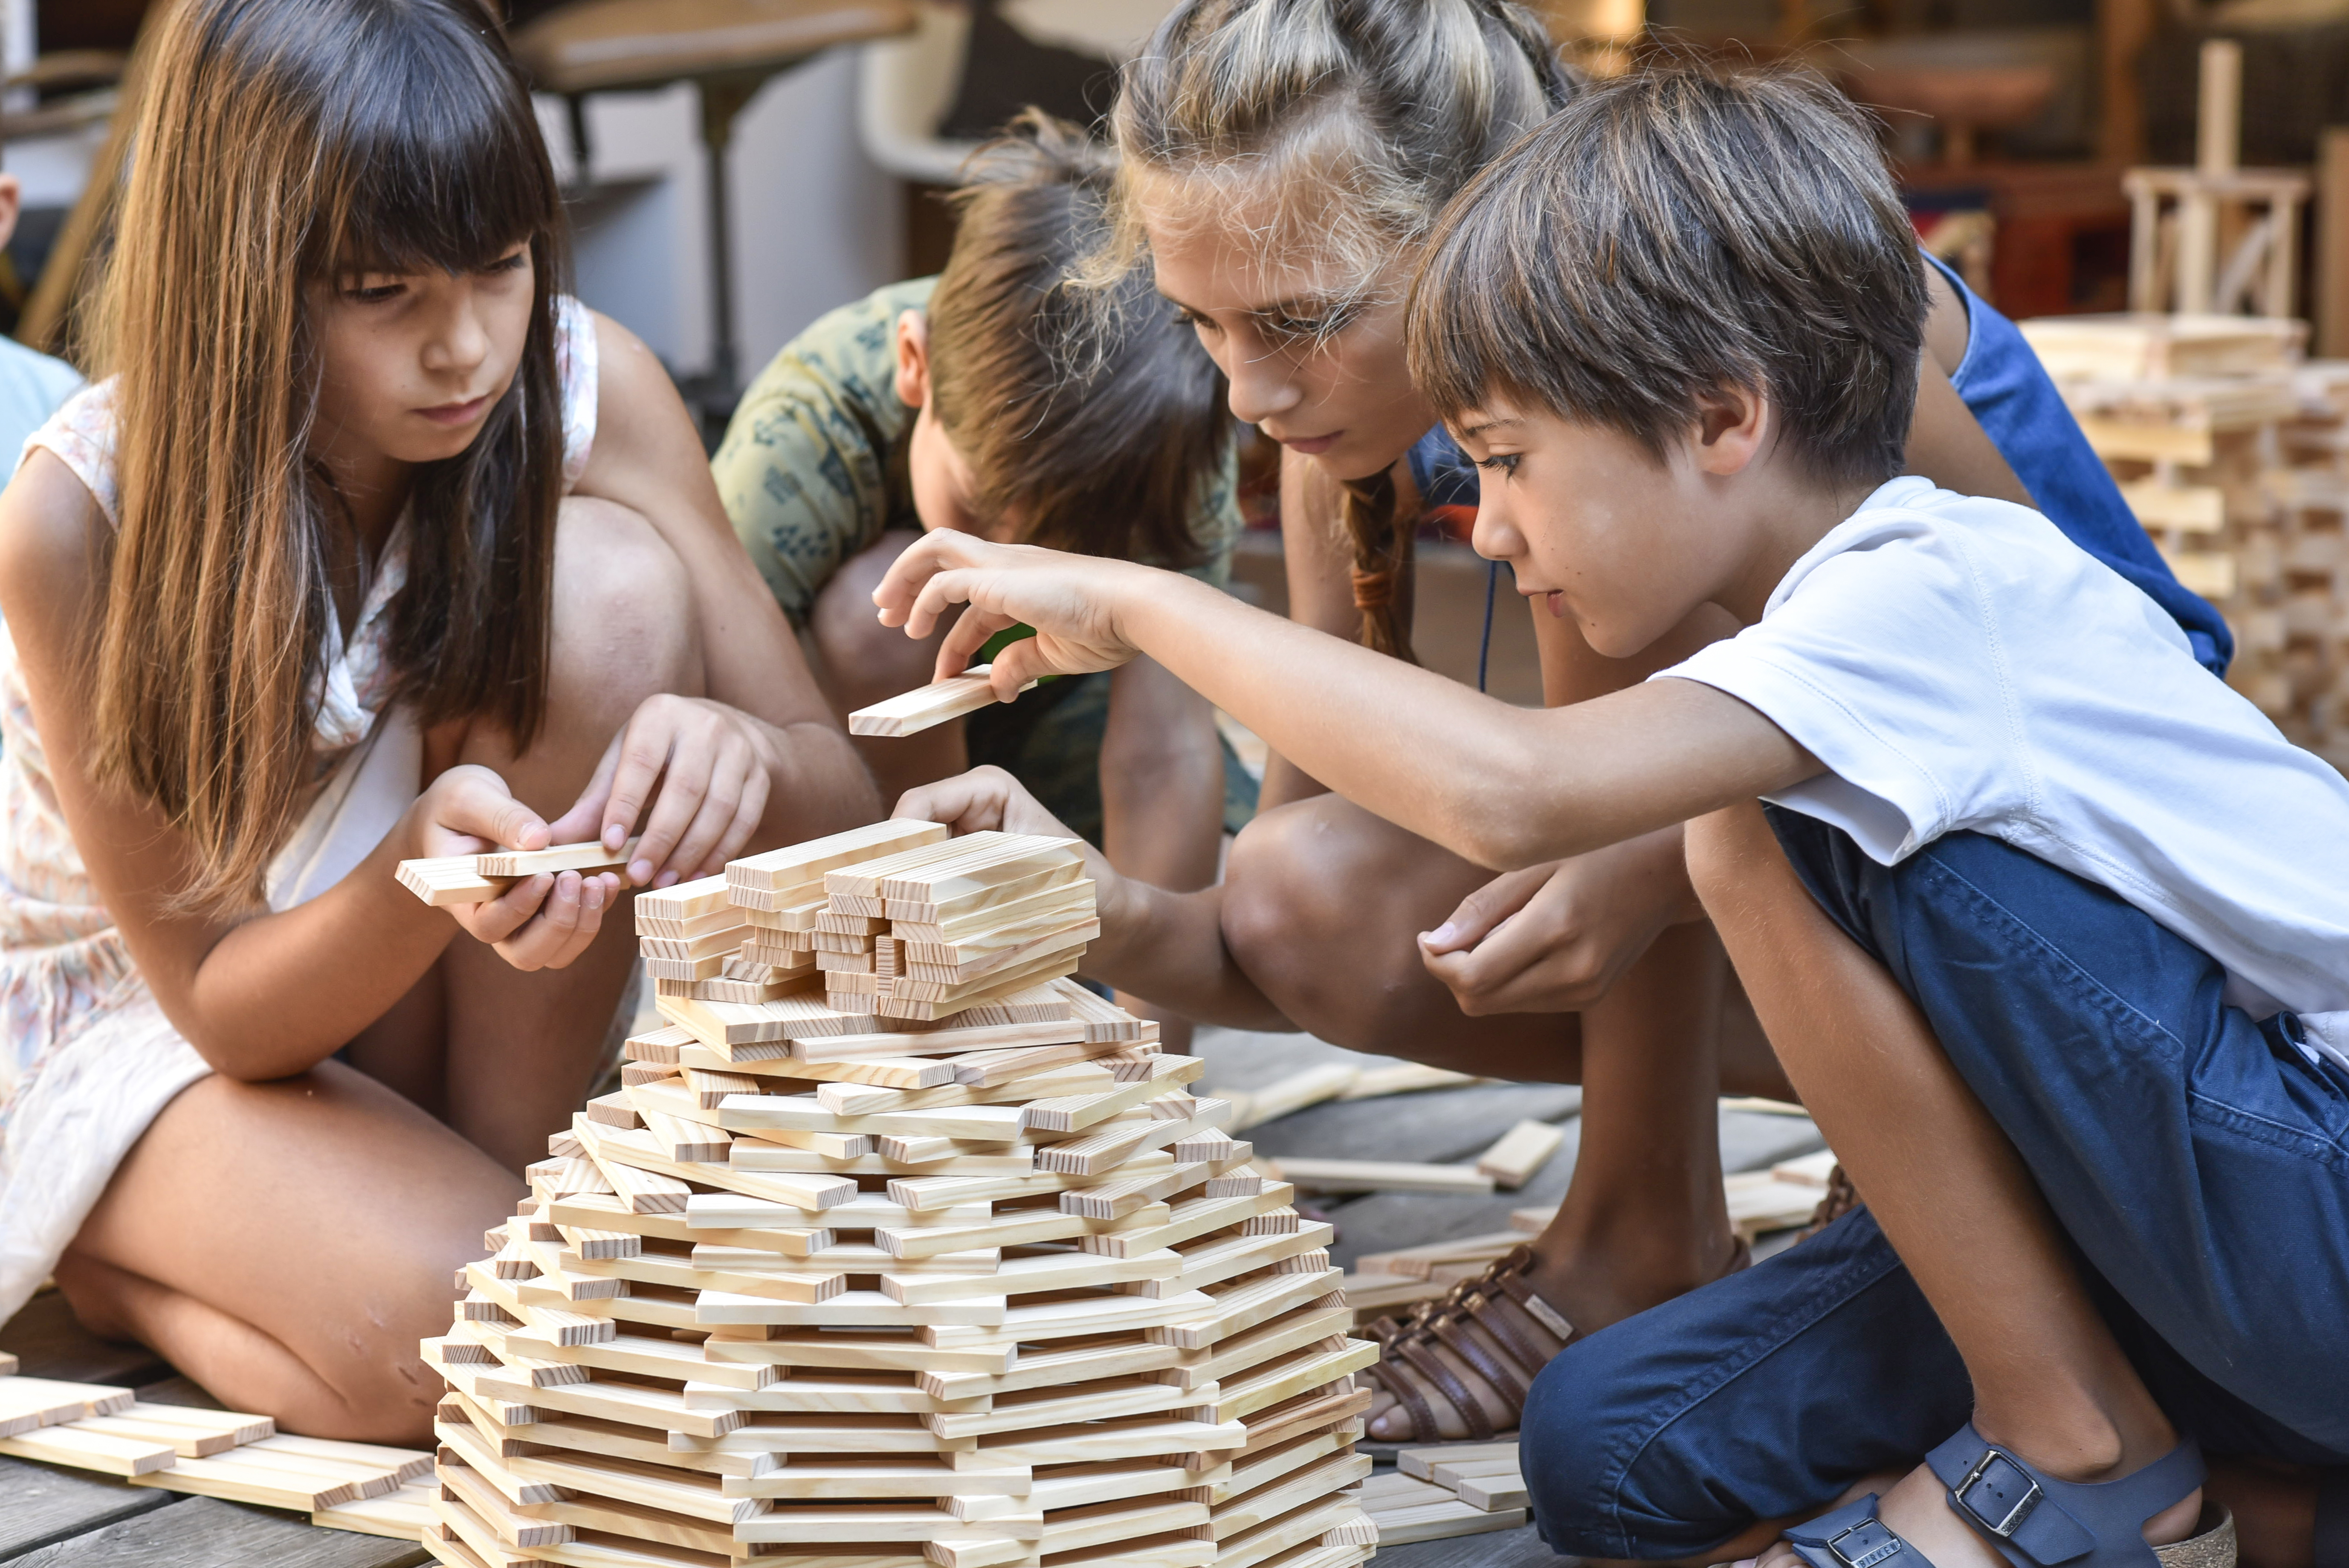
{"x":267,"y":995}
{"x":1946,"y":443}
{"x":1162,"y":777}
{"x":788,"y":772}
{"x":1166,"y":946}
{"x":1500,"y":786}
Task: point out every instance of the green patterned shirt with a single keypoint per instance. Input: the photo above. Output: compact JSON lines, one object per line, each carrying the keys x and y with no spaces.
{"x":812,"y":469}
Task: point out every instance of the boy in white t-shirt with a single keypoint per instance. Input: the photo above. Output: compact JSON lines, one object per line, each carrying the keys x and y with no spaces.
{"x":2050,"y":928}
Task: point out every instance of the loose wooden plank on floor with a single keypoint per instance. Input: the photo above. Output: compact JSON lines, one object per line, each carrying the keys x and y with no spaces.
{"x":203,"y":1532}
{"x":40,"y":1504}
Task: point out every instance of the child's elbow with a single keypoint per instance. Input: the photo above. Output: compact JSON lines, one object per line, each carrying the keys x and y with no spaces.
{"x":242,"y":1061}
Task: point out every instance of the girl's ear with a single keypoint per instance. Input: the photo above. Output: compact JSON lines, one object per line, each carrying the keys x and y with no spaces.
{"x":913,"y":358}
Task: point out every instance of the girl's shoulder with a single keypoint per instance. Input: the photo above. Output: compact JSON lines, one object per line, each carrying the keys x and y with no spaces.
{"x":81,"y":435}
{"x":577,"y":364}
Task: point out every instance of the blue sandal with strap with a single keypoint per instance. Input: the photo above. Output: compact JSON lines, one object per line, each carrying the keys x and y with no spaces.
{"x":2030,"y":1518}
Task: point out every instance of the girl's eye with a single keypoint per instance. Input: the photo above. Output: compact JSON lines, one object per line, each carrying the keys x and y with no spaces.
{"x":1501,"y":462}
{"x":374,"y":293}
{"x":512,"y":264}
{"x":1191,"y":318}
{"x":1318,"y":327}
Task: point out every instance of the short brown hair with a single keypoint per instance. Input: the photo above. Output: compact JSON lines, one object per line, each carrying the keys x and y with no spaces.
{"x":1100,"y":423}
{"x":1677,"y":229}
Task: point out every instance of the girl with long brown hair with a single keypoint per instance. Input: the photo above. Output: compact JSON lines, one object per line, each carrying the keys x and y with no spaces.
{"x":1284,"y":162}
{"x":371,"y":543}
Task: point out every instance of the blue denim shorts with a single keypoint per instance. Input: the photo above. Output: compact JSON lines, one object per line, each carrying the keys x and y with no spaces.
{"x":2198,"y":1159}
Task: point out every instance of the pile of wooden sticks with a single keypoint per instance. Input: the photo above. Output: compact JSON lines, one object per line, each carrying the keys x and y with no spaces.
{"x":931,"y":1258}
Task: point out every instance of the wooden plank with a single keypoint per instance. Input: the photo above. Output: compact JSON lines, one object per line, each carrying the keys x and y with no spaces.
{"x":1407,"y":1077}
{"x":108,"y":1453}
{"x":27,"y":1403}
{"x":1436,"y":1522}
{"x":1520,"y":1152}
{"x":1380,"y":1176}
{"x":399,"y":1515}
{"x":910,"y":713}
{"x":1420,"y":1463}
{"x":45,"y":1505}
{"x":586,"y":857}
{"x":1293,"y":1093}
{"x":806,"y":861}
{"x":200,"y":1532}
{"x":450,"y":879}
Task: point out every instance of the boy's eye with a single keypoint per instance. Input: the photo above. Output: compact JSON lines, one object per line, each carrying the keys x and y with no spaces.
{"x":1500,"y":462}
{"x":1191,"y":318}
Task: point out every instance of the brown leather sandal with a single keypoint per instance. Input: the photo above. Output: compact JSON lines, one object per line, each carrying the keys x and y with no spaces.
{"x":1842,"y":1199}
{"x":1466,"y":1321}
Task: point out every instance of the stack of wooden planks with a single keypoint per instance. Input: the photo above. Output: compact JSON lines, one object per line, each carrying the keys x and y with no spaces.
{"x":2234,"y":453}
{"x":360,"y":1487}
{"x":934,"y":1261}
{"x":1452,"y":1488}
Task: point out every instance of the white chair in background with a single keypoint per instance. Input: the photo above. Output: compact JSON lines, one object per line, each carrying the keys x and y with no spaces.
{"x":907,"y":84}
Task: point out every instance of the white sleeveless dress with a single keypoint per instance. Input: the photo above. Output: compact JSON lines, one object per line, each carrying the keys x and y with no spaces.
{"x":87,"y":1057}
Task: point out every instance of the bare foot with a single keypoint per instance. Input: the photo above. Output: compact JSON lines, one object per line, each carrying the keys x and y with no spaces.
{"x":1916,"y":1509}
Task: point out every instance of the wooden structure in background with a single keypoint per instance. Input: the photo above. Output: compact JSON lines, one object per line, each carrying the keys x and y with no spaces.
{"x":2184,"y":219}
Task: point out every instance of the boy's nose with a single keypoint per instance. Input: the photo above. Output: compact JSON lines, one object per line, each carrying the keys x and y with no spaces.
{"x":1494,"y":537}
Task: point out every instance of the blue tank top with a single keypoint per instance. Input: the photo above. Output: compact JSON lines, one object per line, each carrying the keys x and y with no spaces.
{"x":2019,"y":408}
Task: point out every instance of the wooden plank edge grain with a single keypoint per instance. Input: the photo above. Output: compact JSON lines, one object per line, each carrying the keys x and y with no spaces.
{"x":1377,"y":1176}
{"x":910,"y":713}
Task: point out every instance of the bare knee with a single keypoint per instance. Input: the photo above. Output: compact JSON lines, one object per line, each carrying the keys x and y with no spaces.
{"x":863,"y":660}
{"x":373,"y":1385}
{"x":1311,"y":915}
{"x":624,"y":623}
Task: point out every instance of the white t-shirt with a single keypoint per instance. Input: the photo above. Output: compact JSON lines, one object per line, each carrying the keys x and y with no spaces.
{"x":1957,"y":663}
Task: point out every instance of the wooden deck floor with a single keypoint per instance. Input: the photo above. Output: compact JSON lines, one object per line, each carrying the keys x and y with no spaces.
{"x":56,"y":1517}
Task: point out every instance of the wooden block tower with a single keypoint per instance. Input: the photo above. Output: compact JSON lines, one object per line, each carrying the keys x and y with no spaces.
{"x":922,"y":1255}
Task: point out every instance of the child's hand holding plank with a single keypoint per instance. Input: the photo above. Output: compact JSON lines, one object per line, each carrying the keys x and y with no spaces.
{"x":1501,"y":786}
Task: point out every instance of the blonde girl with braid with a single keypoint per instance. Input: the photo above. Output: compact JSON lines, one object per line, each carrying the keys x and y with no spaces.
{"x":1284,"y":162}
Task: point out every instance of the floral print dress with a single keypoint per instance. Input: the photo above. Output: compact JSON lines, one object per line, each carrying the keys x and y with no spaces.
{"x":86,"y":1058}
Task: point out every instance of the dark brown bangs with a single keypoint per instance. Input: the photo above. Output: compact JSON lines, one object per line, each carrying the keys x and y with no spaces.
{"x":432,"y":153}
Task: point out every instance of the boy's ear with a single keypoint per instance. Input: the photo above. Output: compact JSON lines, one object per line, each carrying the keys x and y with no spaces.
{"x":913,"y":358}
{"x":1733,"y":425}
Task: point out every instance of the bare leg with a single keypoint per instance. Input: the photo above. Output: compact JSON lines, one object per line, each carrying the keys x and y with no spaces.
{"x":521,"y":1049}
{"x":287,"y":1243}
{"x":2050,"y":1382}
{"x":1322,"y":904}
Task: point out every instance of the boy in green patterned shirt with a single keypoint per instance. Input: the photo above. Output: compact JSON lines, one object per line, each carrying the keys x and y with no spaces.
{"x":997,"y":400}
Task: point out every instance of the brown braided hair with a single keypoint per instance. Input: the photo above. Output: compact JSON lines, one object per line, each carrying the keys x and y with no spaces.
{"x":1382,"y":544}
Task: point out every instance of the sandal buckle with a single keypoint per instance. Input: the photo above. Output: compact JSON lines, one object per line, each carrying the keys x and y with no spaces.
{"x":1875,"y":1543}
{"x":2008,"y":1506}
